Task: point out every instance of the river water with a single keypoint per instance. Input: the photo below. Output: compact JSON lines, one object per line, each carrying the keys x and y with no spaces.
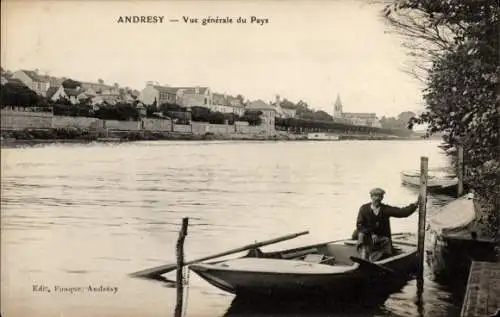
{"x":87,"y":215}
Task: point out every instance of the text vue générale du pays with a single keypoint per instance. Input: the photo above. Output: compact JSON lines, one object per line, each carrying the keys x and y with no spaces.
{"x":160,"y":19}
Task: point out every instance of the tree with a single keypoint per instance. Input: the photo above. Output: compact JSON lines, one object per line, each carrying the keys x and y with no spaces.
{"x":285,"y":103}
{"x":216,"y":118}
{"x":241,"y":99}
{"x":120,"y":111}
{"x":322,"y":115}
{"x":16,"y":94}
{"x":253,"y":117}
{"x":460,"y":41}
{"x":406,"y":117}
{"x":201,"y":114}
{"x":100,"y":81}
{"x":71,"y":84}
{"x":64,"y":107}
{"x":166,"y":107}
{"x":231,"y":118}
{"x":389,"y":123}
{"x":402,"y":122}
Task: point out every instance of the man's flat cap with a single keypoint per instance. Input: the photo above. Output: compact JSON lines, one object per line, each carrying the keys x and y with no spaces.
{"x":377,"y":191}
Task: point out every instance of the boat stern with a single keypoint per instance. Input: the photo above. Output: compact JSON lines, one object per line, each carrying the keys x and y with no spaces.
{"x":211,"y":276}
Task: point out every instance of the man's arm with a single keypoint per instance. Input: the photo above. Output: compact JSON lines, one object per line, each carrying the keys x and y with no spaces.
{"x":402,"y":212}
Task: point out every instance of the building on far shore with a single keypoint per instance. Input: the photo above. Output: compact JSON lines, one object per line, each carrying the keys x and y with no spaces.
{"x":183,"y":96}
{"x":32,"y":80}
{"x":227,"y":104}
{"x":268,"y":116}
{"x":155,"y":92}
{"x":194,"y":96}
{"x":282,"y":112}
{"x":357,"y":118}
{"x":191,"y":97}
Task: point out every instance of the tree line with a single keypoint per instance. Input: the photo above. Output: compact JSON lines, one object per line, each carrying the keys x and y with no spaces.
{"x":455,"y":49}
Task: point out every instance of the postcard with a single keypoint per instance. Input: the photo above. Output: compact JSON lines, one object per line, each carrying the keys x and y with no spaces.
{"x":204,"y":158}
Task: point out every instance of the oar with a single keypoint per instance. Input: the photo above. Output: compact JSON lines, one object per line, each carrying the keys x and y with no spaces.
{"x":372,"y":265}
{"x":162,"y":269}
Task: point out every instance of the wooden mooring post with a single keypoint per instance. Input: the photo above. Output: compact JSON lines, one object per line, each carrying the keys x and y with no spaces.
{"x":424,"y":167}
{"x":460,"y":171}
{"x":180,"y":267}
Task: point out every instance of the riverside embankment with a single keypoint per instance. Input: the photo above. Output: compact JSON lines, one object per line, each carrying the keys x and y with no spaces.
{"x":26,"y":127}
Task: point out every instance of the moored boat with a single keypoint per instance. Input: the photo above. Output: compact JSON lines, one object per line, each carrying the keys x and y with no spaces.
{"x":437,"y":181}
{"x":323,"y":136}
{"x":453,"y":243}
{"x":328,"y":268}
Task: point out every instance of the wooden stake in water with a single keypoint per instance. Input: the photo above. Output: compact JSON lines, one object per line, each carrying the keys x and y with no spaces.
{"x":180,"y":265}
{"x":424,"y":167}
{"x":460,"y":171}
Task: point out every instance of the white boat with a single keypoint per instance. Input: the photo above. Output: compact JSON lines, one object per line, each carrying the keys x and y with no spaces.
{"x":323,"y":136}
{"x":453,"y":241}
{"x":436,"y":180}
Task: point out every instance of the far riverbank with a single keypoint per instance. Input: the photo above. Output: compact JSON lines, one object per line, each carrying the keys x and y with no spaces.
{"x":27,"y":137}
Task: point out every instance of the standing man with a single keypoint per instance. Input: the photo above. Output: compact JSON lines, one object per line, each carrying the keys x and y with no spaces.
{"x":373,"y":225}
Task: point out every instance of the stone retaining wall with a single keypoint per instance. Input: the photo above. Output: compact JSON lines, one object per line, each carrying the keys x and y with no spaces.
{"x":20,"y":120}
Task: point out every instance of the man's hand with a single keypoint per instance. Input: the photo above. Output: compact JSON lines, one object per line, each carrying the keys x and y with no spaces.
{"x":374,"y":239}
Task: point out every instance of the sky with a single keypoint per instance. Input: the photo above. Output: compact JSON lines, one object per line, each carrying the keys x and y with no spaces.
{"x":309,"y":50}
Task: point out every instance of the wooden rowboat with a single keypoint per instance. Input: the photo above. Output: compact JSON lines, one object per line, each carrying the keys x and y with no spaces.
{"x":332,"y":267}
{"x":438,"y":181}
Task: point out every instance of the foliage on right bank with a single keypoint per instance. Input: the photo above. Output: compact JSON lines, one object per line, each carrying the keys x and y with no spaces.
{"x":457,"y":50}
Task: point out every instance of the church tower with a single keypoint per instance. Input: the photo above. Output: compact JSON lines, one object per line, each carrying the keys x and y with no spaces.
{"x":337,"y":108}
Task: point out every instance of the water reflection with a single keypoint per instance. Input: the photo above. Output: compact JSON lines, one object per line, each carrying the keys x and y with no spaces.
{"x":400,"y":299}
{"x":368,"y":302}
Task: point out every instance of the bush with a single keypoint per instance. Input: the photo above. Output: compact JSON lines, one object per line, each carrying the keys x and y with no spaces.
{"x":121,"y":112}
{"x":462,"y":84}
{"x":216,"y":118}
{"x":17,"y":94}
{"x":78,"y":110}
{"x":200,"y":114}
{"x":252,"y":117}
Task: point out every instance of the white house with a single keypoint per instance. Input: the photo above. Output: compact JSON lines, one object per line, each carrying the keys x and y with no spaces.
{"x":73,"y":95}
{"x":235,"y":103}
{"x":227,"y":104}
{"x":56,"y":93}
{"x":220,"y":103}
{"x":194,"y":96}
{"x":33,"y":81}
{"x":268,"y":114}
{"x":101,"y":88}
{"x":160,"y":94}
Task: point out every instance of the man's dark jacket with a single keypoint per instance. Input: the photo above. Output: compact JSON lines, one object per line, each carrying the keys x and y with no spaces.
{"x":369,"y":223}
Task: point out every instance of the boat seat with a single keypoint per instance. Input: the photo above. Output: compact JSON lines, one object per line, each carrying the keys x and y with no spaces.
{"x":314,"y":258}
{"x":319,"y":258}
{"x":298,"y":254}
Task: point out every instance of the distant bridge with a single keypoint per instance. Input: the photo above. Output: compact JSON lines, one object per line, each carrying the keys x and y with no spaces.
{"x":296,"y":125}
